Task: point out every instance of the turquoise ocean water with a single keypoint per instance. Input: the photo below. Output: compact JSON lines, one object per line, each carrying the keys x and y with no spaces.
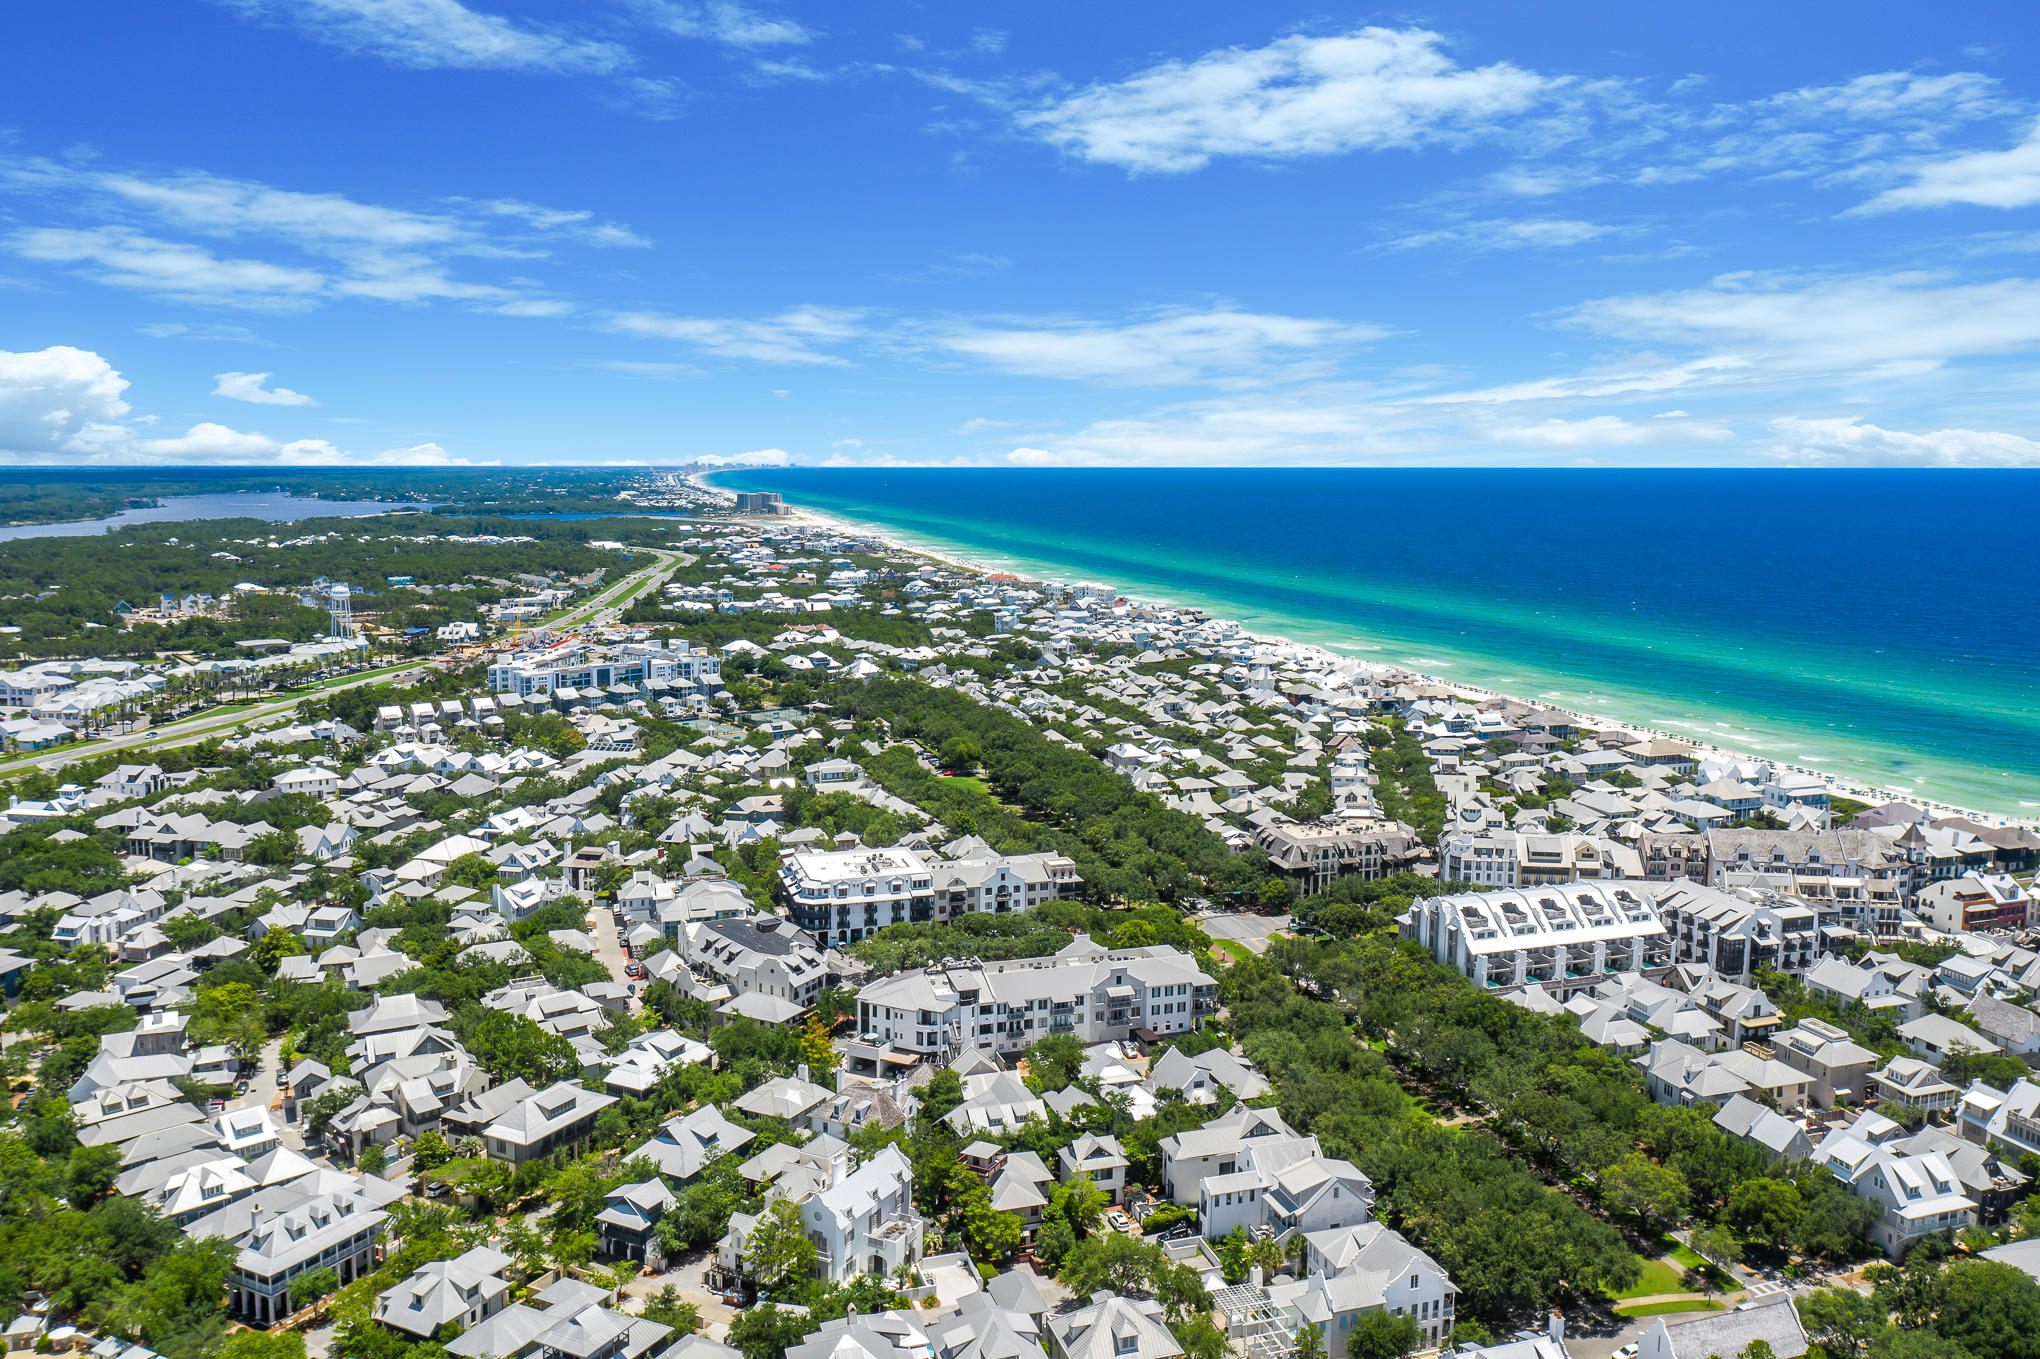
{"x":1878,"y":625}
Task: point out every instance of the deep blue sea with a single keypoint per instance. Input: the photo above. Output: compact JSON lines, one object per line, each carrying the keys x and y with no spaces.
{"x":1874,"y":624}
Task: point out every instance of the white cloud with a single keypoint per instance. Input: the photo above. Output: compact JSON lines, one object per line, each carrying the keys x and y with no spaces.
{"x":209,"y":443}
{"x":1534,"y":233}
{"x":58,"y":399}
{"x":1181,"y":347}
{"x":1372,"y":89}
{"x":179,"y":330}
{"x":789,"y":338}
{"x":1849,"y":442}
{"x":429,"y":34}
{"x":764,"y":457}
{"x":249,"y":387}
{"x":1606,"y":431}
{"x":1986,"y":179}
{"x":1603,"y":383}
{"x":579,"y":224}
{"x":667,"y":372}
{"x":978,"y":425}
{"x":172,"y":269}
{"x":737,"y":25}
{"x":338,"y":247}
{"x":1899,"y":322}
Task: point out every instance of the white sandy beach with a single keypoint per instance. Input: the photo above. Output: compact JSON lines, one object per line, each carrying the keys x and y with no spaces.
{"x":1837,"y":784}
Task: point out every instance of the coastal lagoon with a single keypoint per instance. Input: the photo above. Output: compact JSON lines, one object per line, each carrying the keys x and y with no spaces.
{"x":1877,"y":625}
{"x":276,"y":508}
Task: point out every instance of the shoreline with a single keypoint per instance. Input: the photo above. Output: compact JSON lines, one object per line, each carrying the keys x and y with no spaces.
{"x":1837,"y":784}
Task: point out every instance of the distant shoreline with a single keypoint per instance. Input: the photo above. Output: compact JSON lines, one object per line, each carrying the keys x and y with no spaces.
{"x":1837,"y":784}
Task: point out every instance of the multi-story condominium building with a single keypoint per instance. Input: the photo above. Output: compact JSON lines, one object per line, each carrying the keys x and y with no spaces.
{"x":1315,"y":853}
{"x":1091,"y":992}
{"x":998,"y":885}
{"x":1735,"y":933}
{"x":1484,"y":857}
{"x":1566,"y":938}
{"x":1568,"y":857}
{"x":1669,"y":856}
{"x":1858,"y":872}
{"x":633,"y":665}
{"x":763,"y":955}
{"x":842,"y":895}
{"x":1974,"y":902}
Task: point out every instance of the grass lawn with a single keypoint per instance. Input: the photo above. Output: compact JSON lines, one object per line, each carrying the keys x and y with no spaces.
{"x":1652,"y":1309}
{"x":1687,"y":1257}
{"x":1657,"y":1277}
{"x":1227,"y":948}
{"x":966,"y":781}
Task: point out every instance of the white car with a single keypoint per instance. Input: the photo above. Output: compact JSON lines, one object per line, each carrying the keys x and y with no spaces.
{"x":1626,"y":1352}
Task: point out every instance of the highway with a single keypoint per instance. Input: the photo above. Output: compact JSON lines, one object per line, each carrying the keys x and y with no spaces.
{"x":603,"y":608}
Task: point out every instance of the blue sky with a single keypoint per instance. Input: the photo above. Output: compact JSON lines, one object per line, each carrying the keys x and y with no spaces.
{"x":584,"y":231}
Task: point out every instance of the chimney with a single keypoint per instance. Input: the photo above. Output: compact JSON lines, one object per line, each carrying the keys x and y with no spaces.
{"x":1254,"y":1276}
{"x":801,"y":1071}
{"x":1555,"y":1328}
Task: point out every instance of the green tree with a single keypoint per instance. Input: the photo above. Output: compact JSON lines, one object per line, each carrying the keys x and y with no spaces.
{"x":470,"y":870}
{"x":1310,"y":1341}
{"x":90,"y":1174}
{"x":1054,"y":1062}
{"x":276,"y":944}
{"x":309,"y":1287}
{"x":667,"y":1308}
{"x":1835,"y":1224}
{"x":1897,"y":1342}
{"x":818,"y":1053}
{"x":373,"y":1159}
{"x":1654,"y":1195}
{"x":1766,"y":1211}
{"x":1113,"y":1262}
{"x":992,"y":1235}
{"x":1199,"y":1338}
{"x":778,"y":1252}
{"x":766,"y":1331}
{"x":263,"y":1345}
{"x":1053,"y":1241}
{"x":1379,"y":1334}
{"x":1840,"y":1320}
{"x":1717,"y":1246}
{"x":1990,"y":1309}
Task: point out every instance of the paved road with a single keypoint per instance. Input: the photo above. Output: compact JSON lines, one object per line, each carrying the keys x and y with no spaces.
{"x":603,"y":608}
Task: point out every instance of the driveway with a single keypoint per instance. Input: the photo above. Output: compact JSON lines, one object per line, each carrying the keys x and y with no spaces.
{"x":608,"y":951}
{"x":687,"y":1275}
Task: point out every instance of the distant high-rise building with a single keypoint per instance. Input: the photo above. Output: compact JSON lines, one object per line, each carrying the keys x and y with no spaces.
{"x":759,"y":502}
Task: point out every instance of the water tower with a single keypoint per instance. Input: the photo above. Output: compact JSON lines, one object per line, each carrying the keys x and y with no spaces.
{"x":340,"y":603}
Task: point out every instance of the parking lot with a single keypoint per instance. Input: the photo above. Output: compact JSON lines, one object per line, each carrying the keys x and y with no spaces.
{"x":1249,"y":931}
